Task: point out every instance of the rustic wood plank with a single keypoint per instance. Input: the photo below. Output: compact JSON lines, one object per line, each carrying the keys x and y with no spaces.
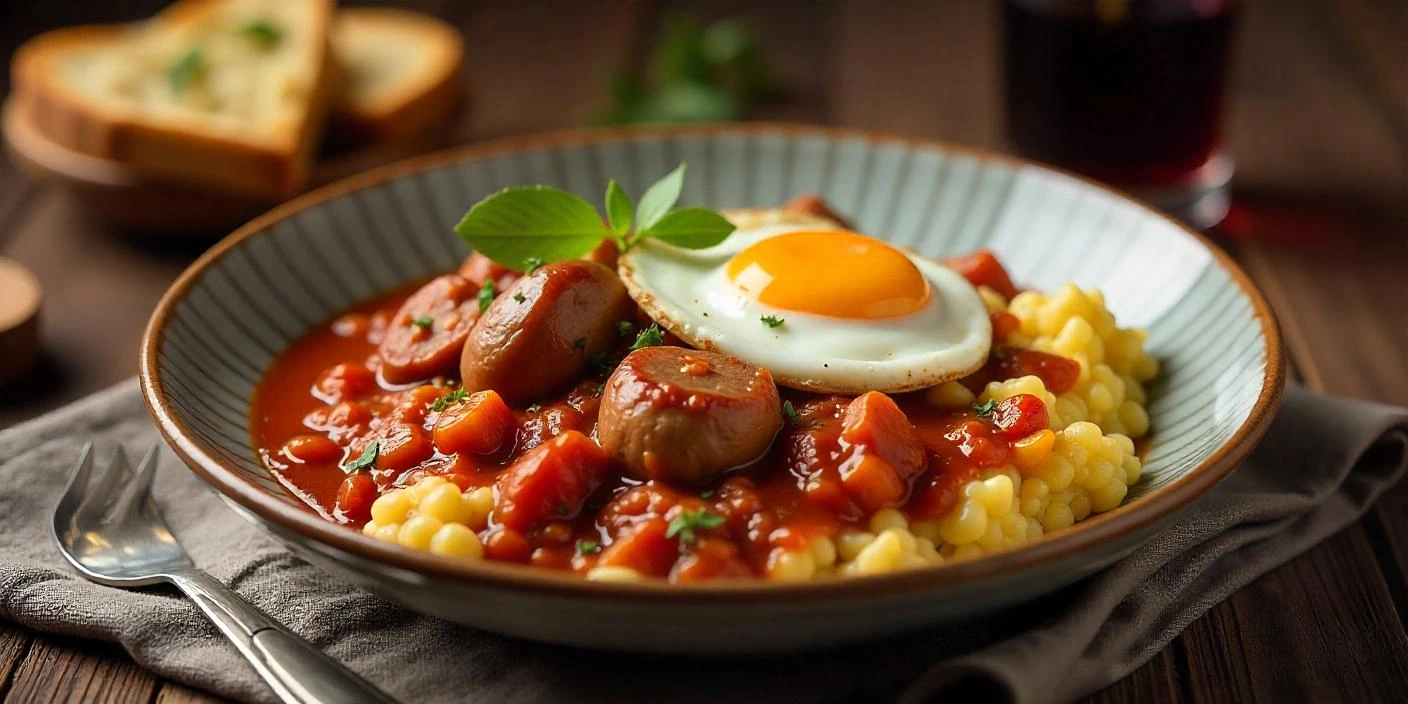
{"x":537,"y":66}
{"x":1300,"y":124}
{"x":926,"y":69}
{"x":1158,"y":680}
{"x":99,"y":292}
{"x":172,"y":693}
{"x":14,"y":645}
{"x":60,"y":670}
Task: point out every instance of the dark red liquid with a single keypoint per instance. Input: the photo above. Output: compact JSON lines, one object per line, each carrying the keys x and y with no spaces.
{"x":1131,"y":100}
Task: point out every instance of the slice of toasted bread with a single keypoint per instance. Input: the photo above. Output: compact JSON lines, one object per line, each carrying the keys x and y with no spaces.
{"x":228,"y":94}
{"x":400,"y":74}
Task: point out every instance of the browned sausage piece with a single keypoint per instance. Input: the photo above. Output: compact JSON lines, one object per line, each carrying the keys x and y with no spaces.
{"x":479,"y":268}
{"x":539,"y":333}
{"x":685,"y":416}
{"x":426,"y":335}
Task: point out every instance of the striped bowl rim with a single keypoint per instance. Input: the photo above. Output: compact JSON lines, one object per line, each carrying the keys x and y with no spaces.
{"x":1133,"y":516}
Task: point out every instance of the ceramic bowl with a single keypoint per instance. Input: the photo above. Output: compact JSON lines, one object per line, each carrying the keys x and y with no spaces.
{"x":225,"y":319}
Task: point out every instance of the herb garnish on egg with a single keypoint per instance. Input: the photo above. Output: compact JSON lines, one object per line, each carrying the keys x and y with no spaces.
{"x":527,"y":226}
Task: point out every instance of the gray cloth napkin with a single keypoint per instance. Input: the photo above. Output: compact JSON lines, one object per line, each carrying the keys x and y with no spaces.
{"x":1323,"y":463}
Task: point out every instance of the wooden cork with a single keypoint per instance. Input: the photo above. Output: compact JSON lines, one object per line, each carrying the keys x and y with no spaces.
{"x":20,"y":298}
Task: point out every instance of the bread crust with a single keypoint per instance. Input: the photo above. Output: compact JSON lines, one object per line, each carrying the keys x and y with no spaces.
{"x":271,"y":171}
{"x":432,"y":105}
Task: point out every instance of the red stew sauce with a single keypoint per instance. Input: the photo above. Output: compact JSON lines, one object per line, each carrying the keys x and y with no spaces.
{"x":835,"y":461}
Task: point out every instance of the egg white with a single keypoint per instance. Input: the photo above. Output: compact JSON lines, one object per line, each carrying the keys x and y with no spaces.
{"x":688,"y":292}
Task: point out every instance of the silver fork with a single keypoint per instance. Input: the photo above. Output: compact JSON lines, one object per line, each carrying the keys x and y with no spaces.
{"x":109,"y":529}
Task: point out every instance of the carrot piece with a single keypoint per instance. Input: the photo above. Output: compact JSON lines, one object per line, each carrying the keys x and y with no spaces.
{"x":401,"y":446}
{"x":478,"y":425}
{"x":982,"y":268}
{"x":551,"y":481}
{"x":644,"y":549}
{"x":875,"y":423}
{"x":872,"y":482}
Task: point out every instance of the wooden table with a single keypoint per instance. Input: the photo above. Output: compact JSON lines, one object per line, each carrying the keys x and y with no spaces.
{"x":1319,"y":130}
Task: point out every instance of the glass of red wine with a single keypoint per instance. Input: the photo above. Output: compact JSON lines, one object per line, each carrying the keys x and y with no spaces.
{"x":1129,"y":92}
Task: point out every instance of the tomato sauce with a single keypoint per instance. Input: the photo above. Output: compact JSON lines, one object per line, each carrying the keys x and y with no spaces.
{"x":835,"y":462}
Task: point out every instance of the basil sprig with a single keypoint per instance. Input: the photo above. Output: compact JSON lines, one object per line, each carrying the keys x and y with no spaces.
{"x":527,"y":225}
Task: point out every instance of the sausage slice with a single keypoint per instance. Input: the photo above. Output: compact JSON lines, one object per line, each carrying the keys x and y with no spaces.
{"x":426,"y":335}
{"x":686,"y":416}
{"x":539,"y":334}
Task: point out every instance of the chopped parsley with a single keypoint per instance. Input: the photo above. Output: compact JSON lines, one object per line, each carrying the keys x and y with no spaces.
{"x":563,"y":509}
{"x":772,"y":321}
{"x":579,"y":344}
{"x":706,"y":494}
{"x":624,"y":328}
{"x":649,"y":337}
{"x":187,"y":70}
{"x":588,"y":547}
{"x":518,"y":296}
{"x":532,"y":264}
{"x":789,"y":411}
{"x":263,"y":33}
{"x":984,"y":409}
{"x":425,"y":322}
{"x":449,"y":399}
{"x":688,"y":521}
{"x":366,"y":460}
{"x":601,"y":388}
{"x":486,"y":296}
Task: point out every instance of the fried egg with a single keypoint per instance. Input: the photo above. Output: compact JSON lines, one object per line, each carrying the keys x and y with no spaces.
{"x":822,"y":308}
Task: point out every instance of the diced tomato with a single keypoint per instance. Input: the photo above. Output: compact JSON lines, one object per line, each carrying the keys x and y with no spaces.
{"x":556,"y":558}
{"x":1058,"y":373}
{"x":348,"y":414}
{"x":710,"y":558}
{"x":312,"y":449}
{"x":1019,"y":416}
{"x":346,"y":380}
{"x":976,"y":441}
{"x":982,"y":268}
{"x":480,"y":424}
{"x":507,"y":545}
{"x":551,"y":481}
{"x":479,"y":268}
{"x":354,"y":499}
{"x":643,"y":548}
{"x":872,"y":482}
{"x":1003,"y":324}
{"x":936,"y":493}
{"x":875,"y":423}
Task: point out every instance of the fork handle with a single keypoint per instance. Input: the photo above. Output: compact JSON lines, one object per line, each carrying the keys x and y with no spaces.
{"x":296,"y":671}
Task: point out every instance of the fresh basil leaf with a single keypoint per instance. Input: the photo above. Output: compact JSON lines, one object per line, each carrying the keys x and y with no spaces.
{"x":658,"y":199}
{"x":544,"y":222}
{"x":691,"y":228}
{"x":618,"y":208}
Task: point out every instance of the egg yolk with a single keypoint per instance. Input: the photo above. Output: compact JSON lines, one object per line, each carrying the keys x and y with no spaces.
{"x":833,"y":273}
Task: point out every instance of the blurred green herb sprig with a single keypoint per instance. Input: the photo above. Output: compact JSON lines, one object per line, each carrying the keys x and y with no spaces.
{"x":693,"y":73}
